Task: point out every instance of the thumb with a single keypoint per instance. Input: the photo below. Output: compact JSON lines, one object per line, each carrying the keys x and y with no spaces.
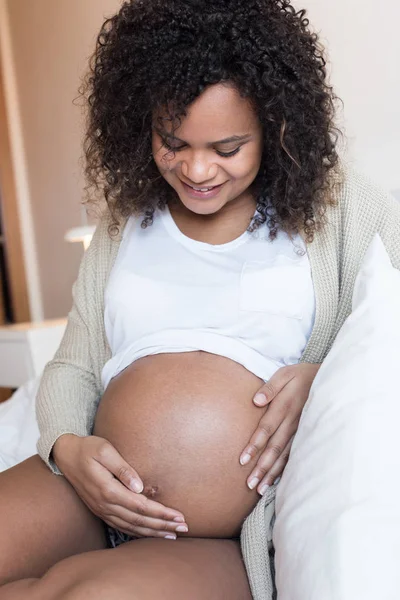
{"x":273,"y":386}
{"x":111,"y":459}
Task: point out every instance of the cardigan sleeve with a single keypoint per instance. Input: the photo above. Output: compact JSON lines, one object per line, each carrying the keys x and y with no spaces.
{"x":390,"y":230}
{"x":69,"y":391}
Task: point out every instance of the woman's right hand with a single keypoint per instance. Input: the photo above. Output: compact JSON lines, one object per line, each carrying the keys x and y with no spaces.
{"x":111,"y":488}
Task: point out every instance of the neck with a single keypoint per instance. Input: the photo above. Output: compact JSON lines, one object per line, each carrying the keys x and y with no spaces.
{"x":219,"y":228}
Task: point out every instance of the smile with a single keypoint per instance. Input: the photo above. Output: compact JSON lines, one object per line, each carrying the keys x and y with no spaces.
{"x":202,"y":189}
{"x":202,"y":192}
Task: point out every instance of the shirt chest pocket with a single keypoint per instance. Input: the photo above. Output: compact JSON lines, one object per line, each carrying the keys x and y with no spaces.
{"x":280,"y":287}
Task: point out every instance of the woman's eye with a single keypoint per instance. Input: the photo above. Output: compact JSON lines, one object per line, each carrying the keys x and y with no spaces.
{"x":228,"y":154}
{"x":171,"y":148}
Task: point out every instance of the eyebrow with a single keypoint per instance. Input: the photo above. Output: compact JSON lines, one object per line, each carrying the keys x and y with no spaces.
{"x":233,"y":138}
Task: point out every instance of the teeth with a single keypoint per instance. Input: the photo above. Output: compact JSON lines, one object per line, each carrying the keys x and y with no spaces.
{"x":202,"y":189}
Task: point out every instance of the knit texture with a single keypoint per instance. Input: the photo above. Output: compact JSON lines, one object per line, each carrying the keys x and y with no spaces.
{"x":71,"y":388}
{"x":256,"y":544}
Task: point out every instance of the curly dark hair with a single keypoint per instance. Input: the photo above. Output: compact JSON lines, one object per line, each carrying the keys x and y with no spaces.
{"x":163,"y":53}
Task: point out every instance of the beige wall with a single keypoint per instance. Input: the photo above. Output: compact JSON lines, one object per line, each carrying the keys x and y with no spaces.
{"x":364,"y":47}
{"x":51,"y":40}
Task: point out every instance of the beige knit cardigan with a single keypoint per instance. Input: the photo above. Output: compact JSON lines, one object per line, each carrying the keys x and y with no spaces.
{"x":71,"y":385}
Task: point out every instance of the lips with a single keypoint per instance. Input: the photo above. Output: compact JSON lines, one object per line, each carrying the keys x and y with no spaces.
{"x":203,"y":189}
{"x":204,"y":192}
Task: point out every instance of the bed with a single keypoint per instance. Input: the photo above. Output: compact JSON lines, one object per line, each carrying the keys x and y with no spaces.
{"x":18,"y":427}
{"x":25,"y":349}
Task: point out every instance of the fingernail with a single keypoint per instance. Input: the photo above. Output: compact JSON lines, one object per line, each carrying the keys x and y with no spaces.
{"x":260,"y":399}
{"x":277,"y":480}
{"x":136,"y":486}
{"x":170,"y":537}
{"x":179,"y":520}
{"x":182,"y":529}
{"x":263,"y":489}
{"x":245,"y":458}
{"x":253,"y":482}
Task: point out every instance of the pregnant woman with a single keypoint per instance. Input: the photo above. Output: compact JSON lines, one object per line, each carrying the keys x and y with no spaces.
{"x":217,"y":279}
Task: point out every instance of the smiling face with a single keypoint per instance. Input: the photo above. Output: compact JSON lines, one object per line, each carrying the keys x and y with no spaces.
{"x":213,"y":157}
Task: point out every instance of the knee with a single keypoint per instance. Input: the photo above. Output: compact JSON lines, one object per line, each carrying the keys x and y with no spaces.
{"x":82,"y":577}
{"x":7,"y":572}
{"x":79,"y":591}
{"x":100,"y":590}
{"x":25,"y":588}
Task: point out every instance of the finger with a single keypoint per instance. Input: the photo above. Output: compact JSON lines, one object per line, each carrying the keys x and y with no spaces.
{"x":139,"y":504}
{"x":259,"y":439}
{"x":273,"y":386}
{"x":110,"y":491}
{"x":276,"y":470}
{"x":130,"y":529}
{"x":271,"y":454}
{"x":156,"y":534}
{"x":268,"y":425}
{"x":110,"y":458}
{"x":138,"y":520}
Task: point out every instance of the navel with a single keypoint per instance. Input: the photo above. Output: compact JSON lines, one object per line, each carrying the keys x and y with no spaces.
{"x":151,"y":491}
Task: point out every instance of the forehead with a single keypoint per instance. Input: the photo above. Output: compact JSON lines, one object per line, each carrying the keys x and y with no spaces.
{"x":218,"y":113}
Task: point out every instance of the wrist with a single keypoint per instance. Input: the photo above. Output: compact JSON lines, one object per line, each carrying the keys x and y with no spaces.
{"x":62,"y":447}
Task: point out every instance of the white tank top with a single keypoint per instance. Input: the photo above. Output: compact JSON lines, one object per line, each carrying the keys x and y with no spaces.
{"x":250,"y":300}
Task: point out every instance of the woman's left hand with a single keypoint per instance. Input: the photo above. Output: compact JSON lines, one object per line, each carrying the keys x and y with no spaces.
{"x":286,"y":394}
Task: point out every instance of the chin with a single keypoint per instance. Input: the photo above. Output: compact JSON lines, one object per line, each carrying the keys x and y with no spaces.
{"x":203,"y":207}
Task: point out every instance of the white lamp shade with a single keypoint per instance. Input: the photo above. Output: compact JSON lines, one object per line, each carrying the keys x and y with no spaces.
{"x":82,"y":234}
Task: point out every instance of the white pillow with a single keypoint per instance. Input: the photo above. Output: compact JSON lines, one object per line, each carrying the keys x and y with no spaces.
{"x":337,"y":531}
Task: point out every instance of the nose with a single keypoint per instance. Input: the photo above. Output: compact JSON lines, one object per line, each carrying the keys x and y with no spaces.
{"x":198,"y":168}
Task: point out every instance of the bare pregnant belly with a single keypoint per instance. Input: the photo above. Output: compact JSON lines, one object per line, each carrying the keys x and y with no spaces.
{"x":182,"y":421}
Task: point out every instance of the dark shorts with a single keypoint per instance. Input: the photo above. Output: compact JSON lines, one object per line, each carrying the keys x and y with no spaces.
{"x":115,"y":538}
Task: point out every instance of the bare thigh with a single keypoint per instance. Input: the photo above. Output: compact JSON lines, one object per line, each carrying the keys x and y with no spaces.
{"x":147,"y":569}
{"x":42,"y":521}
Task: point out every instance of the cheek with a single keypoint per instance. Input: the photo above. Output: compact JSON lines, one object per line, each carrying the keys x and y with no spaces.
{"x":161,"y":156}
{"x":246,"y":168}
{"x":155,"y":148}
{"x":164,"y":164}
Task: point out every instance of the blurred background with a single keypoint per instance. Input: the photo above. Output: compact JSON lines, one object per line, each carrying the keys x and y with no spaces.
{"x":44,"y":48}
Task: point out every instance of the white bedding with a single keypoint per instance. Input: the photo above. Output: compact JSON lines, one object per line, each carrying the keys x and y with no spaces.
{"x":18,"y":428}
{"x":337,"y":522}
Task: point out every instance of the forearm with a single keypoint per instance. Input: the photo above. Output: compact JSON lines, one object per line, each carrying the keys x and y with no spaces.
{"x":71,"y":384}
{"x":66,"y":403}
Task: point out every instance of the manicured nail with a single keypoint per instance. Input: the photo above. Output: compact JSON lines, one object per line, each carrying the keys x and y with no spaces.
{"x":182,"y":529}
{"x":170,"y":537}
{"x":263,"y":489}
{"x":253,"y":482}
{"x":179,"y":520}
{"x":277,"y":480}
{"x":137,"y":486}
{"x":245,"y":458}
{"x":260,"y":399}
